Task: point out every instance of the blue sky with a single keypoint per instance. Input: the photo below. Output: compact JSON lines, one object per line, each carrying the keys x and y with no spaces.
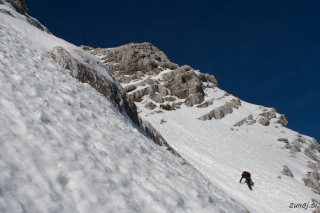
{"x":265,"y":52}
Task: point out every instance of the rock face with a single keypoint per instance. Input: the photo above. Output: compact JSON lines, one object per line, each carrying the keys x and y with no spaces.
{"x":19,"y":5}
{"x":156,"y":97}
{"x":183,"y":82}
{"x":156,"y":88}
{"x":156,"y":136}
{"x":222,"y":111}
{"x":37,"y":24}
{"x":133,"y":59}
{"x":263,"y":121}
{"x":269,"y":114}
{"x":206,"y":104}
{"x":130,"y":88}
{"x":113,"y":91}
{"x":248,"y":120}
{"x":193,"y":99}
{"x":312,"y":180}
{"x":286,"y":171}
{"x":282,"y":120}
{"x":150,"y":105}
{"x":133,"y":62}
{"x":6,"y":12}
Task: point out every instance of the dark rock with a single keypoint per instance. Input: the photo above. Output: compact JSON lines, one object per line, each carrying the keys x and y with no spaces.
{"x":183,"y":83}
{"x":170,"y":98}
{"x":6,"y":12}
{"x":287,"y":171}
{"x":194,"y":99}
{"x":34,"y":22}
{"x":156,"y":137}
{"x":19,"y":6}
{"x":135,"y":57}
{"x":205,"y":104}
{"x":285,"y":140}
{"x":263,"y":121}
{"x":150,"y":106}
{"x":85,"y":74}
{"x":282,"y":120}
{"x":222,"y":111}
{"x":156,"y":97}
{"x":155,"y":88}
{"x":130,"y":88}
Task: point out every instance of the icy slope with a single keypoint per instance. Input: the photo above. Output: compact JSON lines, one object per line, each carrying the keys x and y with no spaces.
{"x":65,"y":148}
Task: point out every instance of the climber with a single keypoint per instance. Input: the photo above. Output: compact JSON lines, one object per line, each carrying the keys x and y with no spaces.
{"x":247,"y":176}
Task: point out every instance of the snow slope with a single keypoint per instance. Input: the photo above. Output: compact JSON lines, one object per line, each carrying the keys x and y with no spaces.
{"x":221,"y":151}
{"x":223,"y":136}
{"x":65,"y":148}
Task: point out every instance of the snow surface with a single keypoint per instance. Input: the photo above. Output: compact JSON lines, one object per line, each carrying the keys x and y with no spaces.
{"x":65,"y":148}
{"x":221,"y":151}
{"x":221,"y":154}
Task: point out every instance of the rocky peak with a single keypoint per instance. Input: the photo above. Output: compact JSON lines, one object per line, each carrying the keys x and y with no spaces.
{"x":136,"y":63}
{"x":133,"y":59}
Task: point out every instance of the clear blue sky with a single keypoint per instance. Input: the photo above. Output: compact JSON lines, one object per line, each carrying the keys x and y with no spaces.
{"x":265,"y":52}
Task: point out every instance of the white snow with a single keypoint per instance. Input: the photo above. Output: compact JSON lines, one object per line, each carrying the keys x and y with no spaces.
{"x":221,"y":154}
{"x":65,"y":148}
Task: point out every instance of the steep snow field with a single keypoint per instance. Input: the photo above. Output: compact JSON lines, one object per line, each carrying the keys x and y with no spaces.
{"x":65,"y":148}
{"x":222,"y":151}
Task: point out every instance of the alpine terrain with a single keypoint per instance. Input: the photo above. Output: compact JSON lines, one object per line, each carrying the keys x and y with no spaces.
{"x":126,"y":130}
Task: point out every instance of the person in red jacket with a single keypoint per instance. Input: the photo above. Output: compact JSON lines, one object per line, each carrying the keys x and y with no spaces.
{"x":247,"y":176}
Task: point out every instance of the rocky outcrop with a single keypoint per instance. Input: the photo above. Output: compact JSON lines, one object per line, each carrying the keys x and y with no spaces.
{"x":296,"y":146}
{"x":263,"y":121}
{"x":285,"y":140}
{"x":207,"y":78}
{"x":156,"y":137}
{"x":19,"y":5}
{"x":37,"y":24}
{"x":134,"y":59}
{"x":206,"y":104}
{"x":6,"y":12}
{"x":312,"y":180}
{"x":130,"y":88}
{"x":131,"y":62}
{"x":286,"y":171}
{"x":248,"y":120}
{"x":194,"y":99}
{"x":282,"y":120}
{"x":170,"y":98}
{"x":85,"y":74}
{"x":155,"y":88}
{"x":183,"y":82}
{"x":156,"y":97}
{"x":222,"y":111}
{"x":150,"y":106}
{"x":269,"y":114}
